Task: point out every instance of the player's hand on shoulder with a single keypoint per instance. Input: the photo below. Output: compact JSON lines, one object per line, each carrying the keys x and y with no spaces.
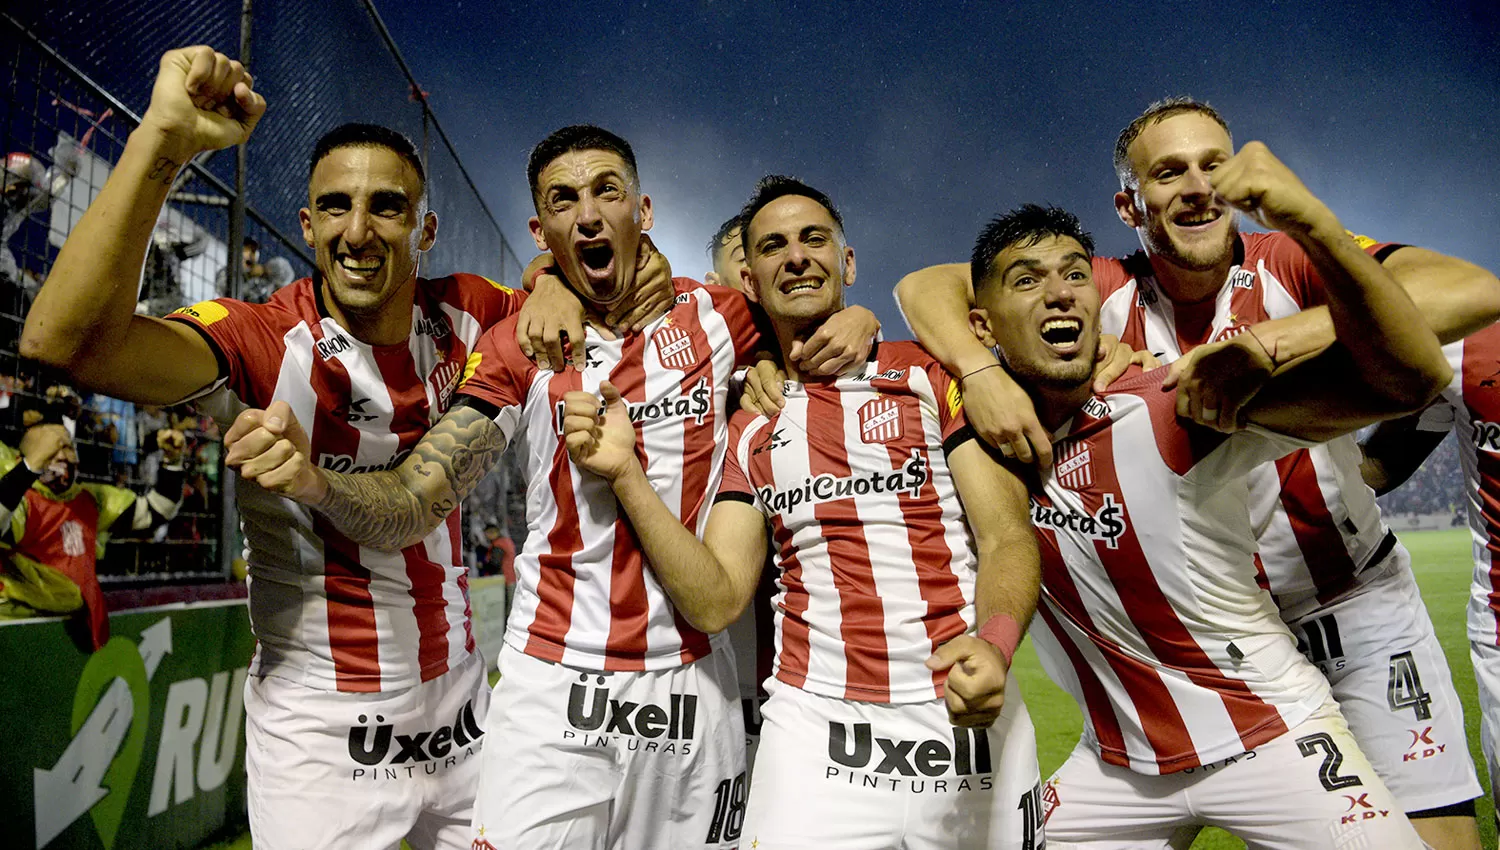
{"x":653,"y":294}
{"x":1214,"y":382}
{"x":1114,"y":358}
{"x":204,"y":99}
{"x":598,"y":432}
{"x":975,"y":689}
{"x":762,"y":392}
{"x":270,"y":448}
{"x":41,"y":443}
{"x":1258,"y":184}
{"x":1002,"y":414}
{"x":844,"y":339}
{"x":551,"y":318}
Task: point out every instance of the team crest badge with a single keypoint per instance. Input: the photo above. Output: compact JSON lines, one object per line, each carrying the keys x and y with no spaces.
{"x":444,"y":380}
{"x":674,"y":348}
{"x":1075,"y":468}
{"x":880,"y":421}
{"x":1049,"y":799}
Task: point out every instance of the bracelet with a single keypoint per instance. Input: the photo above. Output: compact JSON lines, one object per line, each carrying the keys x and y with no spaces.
{"x":977,"y":371}
{"x":1004,"y":633}
{"x":1250,"y":329}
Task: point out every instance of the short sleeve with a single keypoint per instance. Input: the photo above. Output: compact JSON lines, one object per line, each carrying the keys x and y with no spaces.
{"x":734,"y":484}
{"x":244,"y":342}
{"x":952,"y":423}
{"x":489,"y":302}
{"x":497,"y":376}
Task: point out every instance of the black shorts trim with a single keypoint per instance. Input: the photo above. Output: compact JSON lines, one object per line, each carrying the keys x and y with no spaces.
{"x":1457,"y":810}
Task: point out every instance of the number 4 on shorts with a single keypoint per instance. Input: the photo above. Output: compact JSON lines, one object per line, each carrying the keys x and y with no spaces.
{"x":1404,"y":688}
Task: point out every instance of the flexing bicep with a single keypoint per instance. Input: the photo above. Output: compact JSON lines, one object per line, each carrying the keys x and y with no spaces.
{"x":156,"y":362}
{"x":393,"y":510}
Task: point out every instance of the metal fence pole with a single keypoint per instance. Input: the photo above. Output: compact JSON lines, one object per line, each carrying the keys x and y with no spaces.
{"x":229,"y":514}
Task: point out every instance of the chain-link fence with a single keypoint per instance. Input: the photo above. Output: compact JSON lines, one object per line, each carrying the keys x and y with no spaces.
{"x":77,"y":76}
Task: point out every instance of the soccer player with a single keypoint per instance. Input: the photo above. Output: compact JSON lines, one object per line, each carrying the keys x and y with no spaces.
{"x":1342,"y":580}
{"x":727,"y":252}
{"x":1199,"y":708}
{"x":614,"y":721}
{"x":1470,"y":404}
{"x":865,"y":479}
{"x":365,"y":695}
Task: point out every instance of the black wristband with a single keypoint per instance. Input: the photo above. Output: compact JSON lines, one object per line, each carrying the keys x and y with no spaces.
{"x":15,"y":483}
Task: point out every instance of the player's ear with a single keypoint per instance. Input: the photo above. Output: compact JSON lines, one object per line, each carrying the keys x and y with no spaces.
{"x":747,"y":286}
{"x":536,"y":233}
{"x":304,"y":216}
{"x":429,"y":231}
{"x":647,"y":217}
{"x":1126,"y":209}
{"x":979,"y":323}
{"x":848,"y":266}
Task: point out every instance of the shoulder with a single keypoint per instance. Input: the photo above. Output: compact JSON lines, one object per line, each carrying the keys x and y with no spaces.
{"x":1181,"y":444}
{"x":485,"y":299}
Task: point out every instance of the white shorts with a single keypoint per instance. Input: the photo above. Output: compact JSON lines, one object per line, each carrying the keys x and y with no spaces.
{"x":625,"y":761}
{"x":1391,"y":680}
{"x":1486,"y":658}
{"x":846,"y":775}
{"x":1310,"y":788}
{"x":332,"y":769}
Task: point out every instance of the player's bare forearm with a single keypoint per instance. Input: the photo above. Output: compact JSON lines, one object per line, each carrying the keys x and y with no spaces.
{"x":395,"y":509}
{"x":1397,"y":352}
{"x":709,"y":584}
{"x":996,"y":505}
{"x":936,"y":302}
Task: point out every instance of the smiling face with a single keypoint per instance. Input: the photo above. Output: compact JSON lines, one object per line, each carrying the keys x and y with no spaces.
{"x":62,"y":471}
{"x":798,"y":264}
{"x":590,"y":215}
{"x":1172,"y":204}
{"x":1039,"y":305}
{"x":729,"y":259}
{"x":368,"y":223}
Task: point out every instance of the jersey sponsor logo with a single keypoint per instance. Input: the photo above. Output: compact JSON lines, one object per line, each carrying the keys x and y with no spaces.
{"x":1242,"y":279}
{"x":888,"y":375}
{"x":345,"y":463}
{"x":1224,"y":762}
{"x":1361,"y":809}
{"x":424,"y":752}
{"x":1106,"y":524}
{"x":1145,"y":296}
{"x":1487,"y":436}
{"x":776,"y":440}
{"x":909,"y":479}
{"x":880,"y":421}
{"x":355,"y":411}
{"x":1422,"y":746}
{"x":695,"y":404}
{"x":663,"y":729}
{"x":331,"y":346}
{"x":436,"y":327}
{"x":674,"y":348}
{"x":1320,"y":642}
{"x":682,"y":298}
{"x":1075,"y":467}
{"x":962,"y":760}
{"x":444,"y":380}
{"x":1097,"y":408}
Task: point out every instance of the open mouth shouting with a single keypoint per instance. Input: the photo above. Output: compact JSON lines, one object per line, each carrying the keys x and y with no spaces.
{"x":597,"y":259}
{"x":1063,"y":334}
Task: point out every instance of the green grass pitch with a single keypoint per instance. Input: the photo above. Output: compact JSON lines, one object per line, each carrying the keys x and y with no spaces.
{"x":1441,"y":561}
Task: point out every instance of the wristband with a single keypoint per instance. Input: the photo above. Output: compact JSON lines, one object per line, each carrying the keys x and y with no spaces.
{"x":1004,"y":633}
{"x":977,"y":371}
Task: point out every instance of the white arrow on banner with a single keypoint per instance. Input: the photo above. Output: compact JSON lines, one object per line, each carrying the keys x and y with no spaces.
{"x":155,"y":643}
{"x":72,"y":787}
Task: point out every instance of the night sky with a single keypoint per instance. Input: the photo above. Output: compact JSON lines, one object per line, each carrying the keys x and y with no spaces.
{"x":924,"y":120}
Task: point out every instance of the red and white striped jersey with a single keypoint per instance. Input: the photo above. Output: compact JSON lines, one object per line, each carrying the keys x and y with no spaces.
{"x":1152,"y":618}
{"x":585,"y":595}
{"x":876,"y":562}
{"x":1471,"y":404}
{"x":329,"y":613}
{"x":1318,"y":523}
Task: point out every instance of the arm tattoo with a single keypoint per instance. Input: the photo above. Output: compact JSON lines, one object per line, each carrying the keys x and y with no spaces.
{"x":392,"y":510}
{"x":165,"y":169}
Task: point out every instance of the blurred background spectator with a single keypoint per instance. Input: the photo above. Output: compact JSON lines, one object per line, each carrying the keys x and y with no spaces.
{"x":261,"y":279}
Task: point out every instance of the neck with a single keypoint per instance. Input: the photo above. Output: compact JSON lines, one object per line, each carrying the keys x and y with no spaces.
{"x":1189,"y":286}
{"x":387,"y":325}
{"x":1056,"y":405}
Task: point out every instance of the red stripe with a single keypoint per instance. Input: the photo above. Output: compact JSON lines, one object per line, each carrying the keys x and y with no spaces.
{"x":353,"y":639}
{"x":1157,"y":621}
{"x":861,"y":614}
{"x":791,"y":666}
{"x":547,"y":633}
{"x":1480,"y":369}
{"x":1322,"y":545}
{"x":409,"y":421}
{"x":1101,"y":709}
{"x":931,"y":556}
